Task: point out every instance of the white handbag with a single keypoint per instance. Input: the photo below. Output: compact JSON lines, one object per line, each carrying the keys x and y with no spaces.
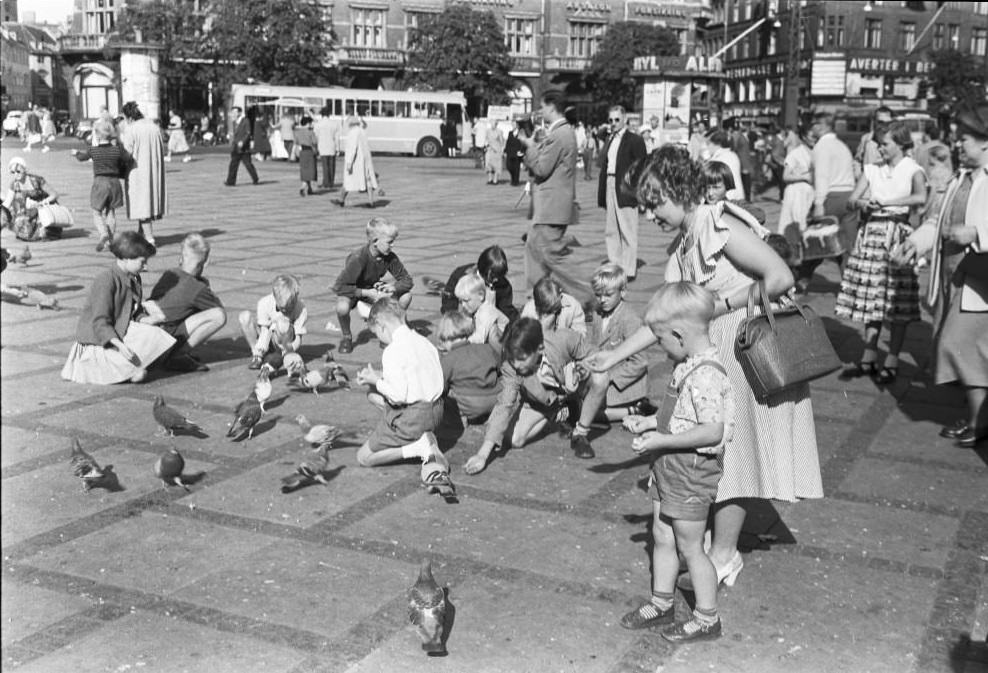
{"x":54,"y":215}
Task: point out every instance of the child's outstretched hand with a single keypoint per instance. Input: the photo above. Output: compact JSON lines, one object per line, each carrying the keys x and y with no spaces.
{"x":638,"y":424}
{"x":648,"y":442}
{"x":368,"y":376}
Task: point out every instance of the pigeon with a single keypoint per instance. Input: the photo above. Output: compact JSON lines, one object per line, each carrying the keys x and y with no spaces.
{"x":24,"y":256}
{"x":171,"y":420}
{"x":84,"y":466}
{"x":433,"y":285}
{"x":294,"y":365}
{"x":168,"y":468}
{"x":248,"y":414}
{"x":336,"y":372}
{"x":308,"y":472}
{"x":40,"y":299}
{"x":313,"y":378}
{"x":263,"y":386}
{"x":427,"y":610}
{"x":274,"y":360}
{"x":319,"y":434}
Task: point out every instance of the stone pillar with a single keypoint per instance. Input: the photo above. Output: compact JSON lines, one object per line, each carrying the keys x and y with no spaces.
{"x":139,"y":79}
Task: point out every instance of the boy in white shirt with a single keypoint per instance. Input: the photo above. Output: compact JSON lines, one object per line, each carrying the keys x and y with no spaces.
{"x":280,"y":321}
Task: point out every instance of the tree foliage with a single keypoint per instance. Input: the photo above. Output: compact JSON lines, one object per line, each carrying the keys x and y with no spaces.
{"x":956,"y":78}
{"x":164,"y":23}
{"x":609,"y":77}
{"x":461,"y":49}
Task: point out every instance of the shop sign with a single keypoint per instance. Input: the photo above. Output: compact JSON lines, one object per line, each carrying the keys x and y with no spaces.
{"x":677,"y":63}
{"x":587,"y":6}
{"x":890,"y":66}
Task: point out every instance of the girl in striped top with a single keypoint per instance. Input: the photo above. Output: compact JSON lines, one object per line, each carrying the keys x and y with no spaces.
{"x":110,"y":164}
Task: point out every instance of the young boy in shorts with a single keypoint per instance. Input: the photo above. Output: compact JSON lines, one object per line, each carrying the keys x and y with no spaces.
{"x":280,"y":322}
{"x":408,"y":390}
{"x":687,"y":437}
{"x":361,"y":283}
{"x":470,"y":370}
{"x":183,"y":304}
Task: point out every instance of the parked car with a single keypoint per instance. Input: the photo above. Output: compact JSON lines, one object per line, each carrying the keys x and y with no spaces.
{"x":12,"y":122}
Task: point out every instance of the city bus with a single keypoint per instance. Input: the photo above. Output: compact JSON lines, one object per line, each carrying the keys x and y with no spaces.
{"x":403,"y":122}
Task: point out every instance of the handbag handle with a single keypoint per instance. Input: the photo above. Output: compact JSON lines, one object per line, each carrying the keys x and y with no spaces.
{"x":767,"y":305}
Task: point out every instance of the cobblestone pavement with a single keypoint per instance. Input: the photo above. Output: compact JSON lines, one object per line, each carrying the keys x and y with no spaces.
{"x":542,"y":554}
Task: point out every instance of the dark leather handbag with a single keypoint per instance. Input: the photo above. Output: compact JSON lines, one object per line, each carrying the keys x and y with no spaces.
{"x":782,"y":349}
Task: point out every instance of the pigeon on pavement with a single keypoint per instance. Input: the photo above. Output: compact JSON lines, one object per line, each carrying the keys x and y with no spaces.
{"x":308,"y":472}
{"x":262,"y":388}
{"x":169,"y":467}
{"x":84,"y":466}
{"x":24,"y":256}
{"x":171,"y":420}
{"x":294,"y":365}
{"x":313,"y":378}
{"x":318,"y":434}
{"x":247,"y":416}
{"x":427,"y":610}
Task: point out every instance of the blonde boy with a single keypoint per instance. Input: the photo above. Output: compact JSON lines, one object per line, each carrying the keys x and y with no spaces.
{"x":470,"y":370}
{"x":687,"y":438}
{"x":489,"y":323}
{"x":548,"y":298}
{"x":280,"y":321}
{"x":361,"y":280}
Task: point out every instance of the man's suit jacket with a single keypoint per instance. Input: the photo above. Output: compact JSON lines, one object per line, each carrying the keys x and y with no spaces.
{"x":552,"y":162}
{"x":630,"y":149}
{"x":241,"y":137}
{"x":629,"y":378}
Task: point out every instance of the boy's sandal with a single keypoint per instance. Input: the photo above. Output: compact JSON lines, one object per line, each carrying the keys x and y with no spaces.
{"x":886,"y":375}
{"x":858,"y":370}
{"x":648,"y":616}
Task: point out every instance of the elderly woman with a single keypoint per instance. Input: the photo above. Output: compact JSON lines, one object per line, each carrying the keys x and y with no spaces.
{"x":773,"y":453}
{"x":27,"y":192}
{"x":146,"y":195}
{"x":359,"y":175}
{"x":873,"y":288}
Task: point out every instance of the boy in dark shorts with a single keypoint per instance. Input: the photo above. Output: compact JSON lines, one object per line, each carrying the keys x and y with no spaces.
{"x":408,"y":390}
{"x":361,"y":282}
{"x":183,"y":304}
{"x":687,"y":437}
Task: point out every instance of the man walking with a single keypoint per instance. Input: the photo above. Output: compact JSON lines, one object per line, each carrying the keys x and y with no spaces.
{"x":621,"y":224}
{"x":551,"y":162}
{"x":240,"y":149}
{"x":327,"y":140}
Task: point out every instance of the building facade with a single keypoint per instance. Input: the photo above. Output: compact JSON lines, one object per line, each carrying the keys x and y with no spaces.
{"x":836,"y":54}
{"x":16,"y":72}
{"x":47,"y":87}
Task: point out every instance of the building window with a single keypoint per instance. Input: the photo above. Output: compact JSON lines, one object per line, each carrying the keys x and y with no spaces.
{"x":368,"y":27}
{"x":907,"y":35}
{"x":584,"y":38}
{"x":744,"y":48}
{"x":954,"y":36}
{"x":979,"y":41}
{"x":981,"y":8}
{"x":520,"y":36}
{"x":834,"y":32}
{"x":938,"y":37}
{"x":413,"y":20}
{"x":873,"y":34}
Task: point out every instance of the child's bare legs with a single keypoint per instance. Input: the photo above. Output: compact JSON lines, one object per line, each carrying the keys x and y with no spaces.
{"x":99,"y":222}
{"x":248,"y":327}
{"x":203,"y":325}
{"x":528,"y":426}
{"x":344,"y":305}
{"x":897,"y":336}
{"x":728,"y":521}
{"x":689,"y":540}
{"x":594,"y":398}
{"x":405,"y":300}
{"x":111,"y":221}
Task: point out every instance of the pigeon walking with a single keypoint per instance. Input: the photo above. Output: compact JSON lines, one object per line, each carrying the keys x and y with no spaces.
{"x":427,"y":610}
{"x":24,"y":256}
{"x":318,"y":434}
{"x":294,"y":365}
{"x":313,"y":378}
{"x":262,"y":388}
{"x":171,"y":420}
{"x":336,"y":372}
{"x":84,"y":466}
{"x":40,"y":299}
{"x":308,"y":472}
{"x":247,"y":416}
{"x":169,"y":467}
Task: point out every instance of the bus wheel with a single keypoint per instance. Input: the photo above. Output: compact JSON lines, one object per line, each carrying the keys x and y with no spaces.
{"x":429,"y":147}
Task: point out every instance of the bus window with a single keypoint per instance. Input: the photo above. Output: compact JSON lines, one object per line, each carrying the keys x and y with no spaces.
{"x":403,"y":109}
{"x":363,"y":108}
{"x":387,"y":108}
{"x":419,"y":110}
{"x":454,"y":112}
{"x":437,"y":110}
{"x":335,"y":107}
{"x":374,"y":108}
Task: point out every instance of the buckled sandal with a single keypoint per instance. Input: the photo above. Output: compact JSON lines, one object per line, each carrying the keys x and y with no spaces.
{"x":647,"y":616}
{"x":886,"y":375}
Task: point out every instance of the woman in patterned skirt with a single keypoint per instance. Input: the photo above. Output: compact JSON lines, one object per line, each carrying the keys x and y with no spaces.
{"x":873,"y":289}
{"x":773,"y":451}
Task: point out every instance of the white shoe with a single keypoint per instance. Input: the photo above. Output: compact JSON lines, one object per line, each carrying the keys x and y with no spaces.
{"x":168,"y":158}
{"x":45,"y":149}
{"x":186,"y":160}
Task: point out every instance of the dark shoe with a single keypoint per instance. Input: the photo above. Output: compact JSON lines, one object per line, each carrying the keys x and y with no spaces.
{"x":886,"y":375}
{"x":691,"y":630}
{"x":346,"y":345}
{"x":955,"y":431}
{"x":230,"y":184}
{"x":185,"y":362}
{"x":648,"y":616}
{"x":309,"y":191}
{"x":970,"y":439}
{"x":301,"y":192}
{"x":581,"y":446}
{"x":256,"y":181}
{"x":255,"y":362}
{"x":642,"y":408}
{"x":858,"y":370}
{"x":104,"y":242}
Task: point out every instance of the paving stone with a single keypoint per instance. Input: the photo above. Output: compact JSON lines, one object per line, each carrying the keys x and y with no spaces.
{"x":148,"y":642}
{"x":491,"y":632}
{"x":768,"y":629}
{"x":300,"y":585}
{"x":15,"y":362}
{"x":911,"y":432}
{"x":918,"y":484}
{"x":848,"y":405}
{"x":28,"y":335}
{"x":514,"y":537}
{"x":18,"y":445}
{"x":151,"y":552}
{"x":28,"y":609}
{"x":46,"y":389}
{"x":50,"y":497}
{"x":864,"y":531}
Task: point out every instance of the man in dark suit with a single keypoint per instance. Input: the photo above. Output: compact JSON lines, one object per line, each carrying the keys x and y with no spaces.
{"x":240,"y":149}
{"x":551,"y":162}
{"x":621,"y":228}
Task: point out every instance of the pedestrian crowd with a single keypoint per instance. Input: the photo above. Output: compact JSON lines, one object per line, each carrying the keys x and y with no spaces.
{"x":577,"y":354}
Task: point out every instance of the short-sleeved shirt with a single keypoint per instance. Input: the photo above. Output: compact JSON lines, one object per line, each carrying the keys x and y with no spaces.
{"x":267,"y":313}
{"x":705,"y":395}
{"x":180,"y":294}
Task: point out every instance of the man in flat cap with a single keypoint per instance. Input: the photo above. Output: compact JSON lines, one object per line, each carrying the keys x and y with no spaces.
{"x":956,"y":235}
